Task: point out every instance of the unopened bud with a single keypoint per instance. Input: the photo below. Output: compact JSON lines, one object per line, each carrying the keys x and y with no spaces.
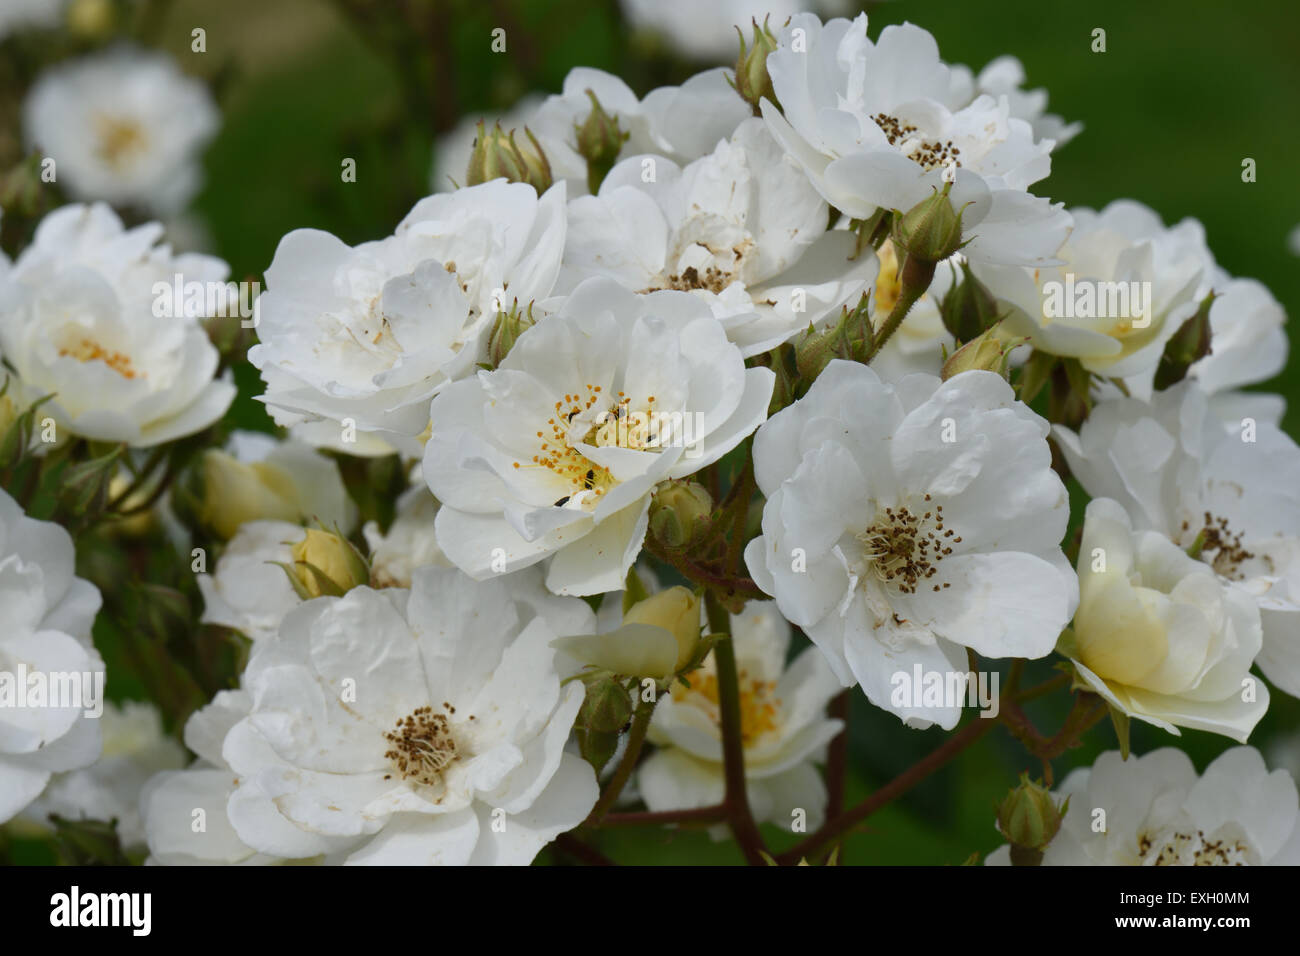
{"x":220,"y":493}
{"x":599,"y":141}
{"x":968,"y":308}
{"x":510,"y":324}
{"x":326,"y":563}
{"x":987,"y":352}
{"x":752,"y":80}
{"x":677,"y":611}
{"x":1186,"y":347}
{"x":1028,"y":817}
{"x":930,"y":231}
{"x":499,"y":155}
{"x":850,"y":338}
{"x":680,"y":513}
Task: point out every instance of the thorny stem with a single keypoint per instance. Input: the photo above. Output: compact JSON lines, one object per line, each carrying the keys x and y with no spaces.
{"x":909,"y":778}
{"x":702,"y":575}
{"x":916,"y":276}
{"x":581,"y":851}
{"x":140,"y":480}
{"x":635,"y":739}
{"x":905,"y":781}
{"x":837,"y":758}
{"x":736,"y":801}
{"x":714,"y":814}
{"x":1086,"y":711}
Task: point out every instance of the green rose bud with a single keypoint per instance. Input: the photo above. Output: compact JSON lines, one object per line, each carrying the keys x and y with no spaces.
{"x":326,"y":563}
{"x":498,"y":155}
{"x":1028,"y":817}
{"x":680,"y":513}
{"x":599,"y":141}
{"x":752,"y":80}
{"x":987,"y":352}
{"x":930,"y":231}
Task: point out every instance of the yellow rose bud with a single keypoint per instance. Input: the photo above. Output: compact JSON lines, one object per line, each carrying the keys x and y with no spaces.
{"x":677,"y":611}
{"x":90,"y":19}
{"x":326,"y":563}
{"x":228,"y":493}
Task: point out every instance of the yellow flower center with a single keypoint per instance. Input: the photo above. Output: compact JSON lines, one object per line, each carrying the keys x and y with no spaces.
{"x":759,"y":706}
{"x":88,"y":350}
{"x":590,"y":418}
{"x":120,"y":139}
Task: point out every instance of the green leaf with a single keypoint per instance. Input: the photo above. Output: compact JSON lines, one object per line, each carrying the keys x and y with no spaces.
{"x":1188,"y":345}
{"x":18,"y":439}
{"x":635,"y":590}
{"x":84,"y":488}
{"x":1121,"y":722}
{"x":1034,"y":375}
{"x":87,"y":843}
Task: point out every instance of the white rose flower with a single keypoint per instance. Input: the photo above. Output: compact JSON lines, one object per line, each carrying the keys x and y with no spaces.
{"x":906,"y":523}
{"x":413,"y":727}
{"x":1158,"y":635}
{"x":556,"y":453}
{"x":784,"y":728}
{"x":174,"y":801}
{"x":135,"y":748}
{"x":1159,"y":813}
{"x":1230,"y":496}
{"x":872,"y":126}
{"x":364,"y":336}
{"x":45,"y":641}
{"x":680,"y":123}
{"x":78,"y":320}
{"x":1005,"y":76}
{"x":1125,"y":285}
{"x":246,"y":591}
{"x":123,"y":125}
{"x":742,"y":228}
{"x":1248,"y":344}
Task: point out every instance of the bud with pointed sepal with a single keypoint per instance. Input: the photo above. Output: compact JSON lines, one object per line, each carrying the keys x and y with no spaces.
{"x":1028,"y":817}
{"x":659,"y":639}
{"x":325,"y":563}
{"x":510,"y":324}
{"x":1189,"y":345}
{"x":930,"y":231}
{"x":680,"y":513}
{"x":498,"y":155}
{"x":599,"y":141}
{"x":968,"y":308}
{"x":986,"y":352}
{"x":752,"y":80}
{"x":851,"y":338}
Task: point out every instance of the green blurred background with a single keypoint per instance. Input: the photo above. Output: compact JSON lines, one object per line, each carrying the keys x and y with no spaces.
{"x":1184,"y":92}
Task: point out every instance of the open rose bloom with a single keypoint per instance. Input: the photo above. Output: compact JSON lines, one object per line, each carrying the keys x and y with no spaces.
{"x":643,"y":432}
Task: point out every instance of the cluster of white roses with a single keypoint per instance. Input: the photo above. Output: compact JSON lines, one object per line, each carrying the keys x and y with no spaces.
{"x":557,"y":351}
